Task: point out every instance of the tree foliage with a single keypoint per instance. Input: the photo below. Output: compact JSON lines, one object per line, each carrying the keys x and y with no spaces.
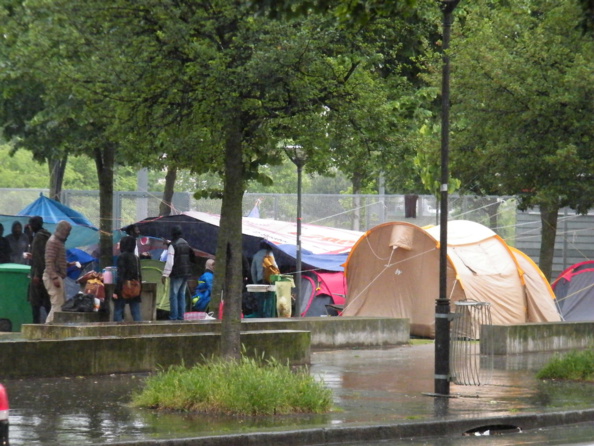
{"x":207,"y":86}
{"x":346,"y":11}
{"x":522,"y":83}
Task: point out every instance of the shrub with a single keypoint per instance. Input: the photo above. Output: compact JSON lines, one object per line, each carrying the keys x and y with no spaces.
{"x":577,"y":366}
{"x":245,"y":387}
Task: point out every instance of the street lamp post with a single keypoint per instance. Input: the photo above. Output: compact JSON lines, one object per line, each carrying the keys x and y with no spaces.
{"x":297,"y":156}
{"x":442,"y":305}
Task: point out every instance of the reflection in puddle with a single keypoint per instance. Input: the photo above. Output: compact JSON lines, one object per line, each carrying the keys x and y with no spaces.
{"x":370,"y":387}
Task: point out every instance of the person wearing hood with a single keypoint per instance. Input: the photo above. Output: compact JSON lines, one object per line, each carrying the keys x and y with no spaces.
{"x":38,"y":296}
{"x":178,"y":268}
{"x":19,"y":243}
{"x":128,"y":269}
{"x":56,"y":267}
{"x":134,"y":231}
{"x":4,"y":247}
{"x":201,"y":297}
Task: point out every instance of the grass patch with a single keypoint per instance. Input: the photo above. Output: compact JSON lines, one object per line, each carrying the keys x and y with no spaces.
{"x":575,"y":366}
{"x":244,"y":387}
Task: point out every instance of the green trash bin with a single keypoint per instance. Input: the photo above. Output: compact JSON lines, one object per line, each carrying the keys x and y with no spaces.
{"x":14,"y":293}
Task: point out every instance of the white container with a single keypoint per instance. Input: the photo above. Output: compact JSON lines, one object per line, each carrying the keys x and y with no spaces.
{"x":260,"y":288}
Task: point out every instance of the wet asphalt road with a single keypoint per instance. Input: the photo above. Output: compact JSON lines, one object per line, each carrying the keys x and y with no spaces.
{"x":370,"y":387}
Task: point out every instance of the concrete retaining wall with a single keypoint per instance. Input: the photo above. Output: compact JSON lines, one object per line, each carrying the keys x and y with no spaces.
{"x":94,"y":348}
{"x":106,"y":355}
{"x":342,"y":332}
{"x":326,"y":332}
{"x":530,"y":338}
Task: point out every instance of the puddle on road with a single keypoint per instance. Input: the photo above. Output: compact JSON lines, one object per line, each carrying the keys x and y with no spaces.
{"x":370,"y":387}
{"x":95,"y":410}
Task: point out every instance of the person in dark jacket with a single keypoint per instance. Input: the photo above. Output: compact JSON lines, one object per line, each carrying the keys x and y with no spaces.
{"x":38,"y":296}
{"x":134,"y":232}
{"x":19,"y":243}
{"x":178,"y":268}
{"x":4,"y":247}
{"x":128,"y":269}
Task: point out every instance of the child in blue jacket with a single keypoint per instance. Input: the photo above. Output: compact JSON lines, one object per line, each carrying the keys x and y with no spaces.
{"x":201,"y":297}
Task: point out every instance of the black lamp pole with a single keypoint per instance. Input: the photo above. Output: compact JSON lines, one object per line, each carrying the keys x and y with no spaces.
{"x":296,"y":155}
{"x":442,"y":304}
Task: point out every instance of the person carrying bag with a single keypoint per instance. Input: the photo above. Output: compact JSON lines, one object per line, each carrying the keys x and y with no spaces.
{"x":129,"y":281}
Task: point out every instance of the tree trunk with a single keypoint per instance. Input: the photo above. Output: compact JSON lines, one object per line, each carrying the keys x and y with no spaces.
{"x":410,"y":205}
{"x":165,"y":206}
{"x":56,"y":167}
{"x":104,"y":162}
{"x":229,"y":248}
{"x":548,"y":218}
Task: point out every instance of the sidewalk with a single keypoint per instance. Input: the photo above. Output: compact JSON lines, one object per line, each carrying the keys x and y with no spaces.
{"x":381,"y":395}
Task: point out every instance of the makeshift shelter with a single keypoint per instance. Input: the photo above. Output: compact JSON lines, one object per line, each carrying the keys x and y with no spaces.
{"x":83,"y":232}
{"x":574,"y":289}
{"x":393,"y":271}
{"x":323,"y":250}
{"x":321,"y":247}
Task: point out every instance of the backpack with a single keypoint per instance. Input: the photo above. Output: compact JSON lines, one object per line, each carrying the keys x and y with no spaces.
{"x":80,"y":303}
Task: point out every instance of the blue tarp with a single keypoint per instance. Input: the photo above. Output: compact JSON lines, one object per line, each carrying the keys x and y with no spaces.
{"x":83,"y":232}
{"x":78,"y":255}
{"x":327,"y":262}
{"x":53,"y":211}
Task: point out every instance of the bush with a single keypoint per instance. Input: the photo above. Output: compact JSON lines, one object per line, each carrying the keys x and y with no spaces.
{"x":245,"y":387}
{"x":576,"y":366}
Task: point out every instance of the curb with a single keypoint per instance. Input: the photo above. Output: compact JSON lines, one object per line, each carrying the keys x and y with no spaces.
{"x":420,"y":429}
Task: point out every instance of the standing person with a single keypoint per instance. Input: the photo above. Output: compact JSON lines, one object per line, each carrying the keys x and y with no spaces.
{"x":263,"y":263}
{"x":263,"y":266}
{"x":134,"y":231}
{"x":201,"y":298}
{"x":178,"y":268}
{"x":4,"y":247}
{"x":38,"y":296}
{"x":55,"y":267}
{"x":19,"y":243}
{"x":128,"y":269}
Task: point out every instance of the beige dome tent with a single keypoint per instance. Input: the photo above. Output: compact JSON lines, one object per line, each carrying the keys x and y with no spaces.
{"x":393,"y":271}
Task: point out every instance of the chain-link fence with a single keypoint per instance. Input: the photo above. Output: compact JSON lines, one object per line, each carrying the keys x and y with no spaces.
{"x":575,"y":235}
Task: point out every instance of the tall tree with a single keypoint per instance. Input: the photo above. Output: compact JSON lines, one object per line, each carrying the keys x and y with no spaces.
{"x":45,"y":111}
{"x":522,"y":101}
{"x":23,"y":114}
{"x":208,"y":85}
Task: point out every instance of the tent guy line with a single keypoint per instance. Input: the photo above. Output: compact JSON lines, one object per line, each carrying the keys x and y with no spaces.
{"x":576,"y":292}
{"x":481,"y":268}
{"x":348,"y":211}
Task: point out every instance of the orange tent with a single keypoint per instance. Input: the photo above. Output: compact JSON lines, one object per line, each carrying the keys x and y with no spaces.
{"x":393,"y":271}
